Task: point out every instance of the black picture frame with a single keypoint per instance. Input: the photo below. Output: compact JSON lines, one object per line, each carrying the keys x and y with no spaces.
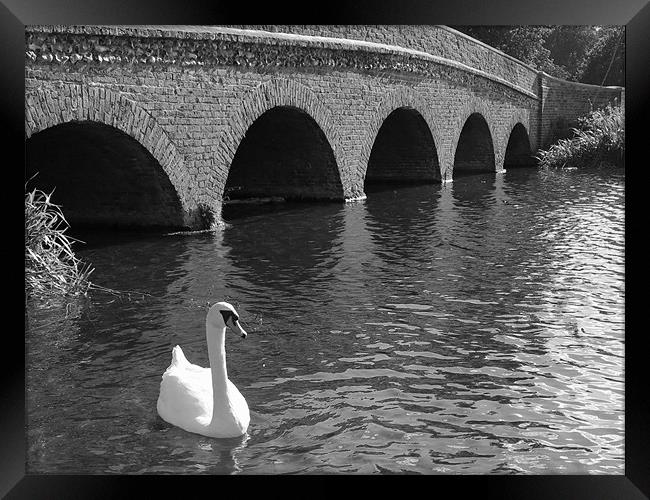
{"x":635,"y":14}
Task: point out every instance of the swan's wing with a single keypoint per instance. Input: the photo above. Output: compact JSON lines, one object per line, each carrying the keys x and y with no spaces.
{"x":185,"y":391}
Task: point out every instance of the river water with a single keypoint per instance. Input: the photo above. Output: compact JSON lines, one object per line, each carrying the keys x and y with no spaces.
{"x":475,"y":327}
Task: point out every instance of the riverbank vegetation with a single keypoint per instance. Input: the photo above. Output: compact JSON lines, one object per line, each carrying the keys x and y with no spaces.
{"x":599,"y":140}
{"x":51,"y":267}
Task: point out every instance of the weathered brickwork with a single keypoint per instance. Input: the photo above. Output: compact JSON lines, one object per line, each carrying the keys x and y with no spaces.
{"x":199,"y":101}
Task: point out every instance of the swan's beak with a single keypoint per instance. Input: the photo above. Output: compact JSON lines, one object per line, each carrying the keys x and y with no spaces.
{"x":234,"y":324}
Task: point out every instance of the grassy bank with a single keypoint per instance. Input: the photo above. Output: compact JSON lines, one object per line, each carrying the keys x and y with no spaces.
{"x":598,"y":141}
{"x":51,"y":267}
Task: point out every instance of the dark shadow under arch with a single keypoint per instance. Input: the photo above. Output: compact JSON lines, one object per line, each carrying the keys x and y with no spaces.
{"x":475,"y":150}
{"x":403,"y":152}
{"x":102,"y":177}
{"x":284,"y":154}
{"x":518,"y":153}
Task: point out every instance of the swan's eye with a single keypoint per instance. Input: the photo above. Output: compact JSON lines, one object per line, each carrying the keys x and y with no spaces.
{"x":229,"y":315}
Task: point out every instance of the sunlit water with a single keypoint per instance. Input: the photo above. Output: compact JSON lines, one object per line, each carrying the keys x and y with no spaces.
{"x":476,"y":327}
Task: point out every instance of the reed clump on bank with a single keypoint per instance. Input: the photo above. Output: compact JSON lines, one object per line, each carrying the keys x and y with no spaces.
{"x":51,"y":267}
{"x":599,"y":140}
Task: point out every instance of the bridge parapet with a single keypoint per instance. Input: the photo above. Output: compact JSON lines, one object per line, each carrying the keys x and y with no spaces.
{"x":245,"y":48}
{"x":435,"y":40}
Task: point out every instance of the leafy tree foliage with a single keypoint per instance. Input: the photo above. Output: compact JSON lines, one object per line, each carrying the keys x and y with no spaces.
{"x":604,"y":63}
{"x":568,"y":46}
{"x":588,"y":54}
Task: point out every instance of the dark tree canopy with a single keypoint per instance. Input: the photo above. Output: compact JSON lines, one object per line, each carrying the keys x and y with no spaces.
{"x":605,"y":61}
{"x":588,"y":54}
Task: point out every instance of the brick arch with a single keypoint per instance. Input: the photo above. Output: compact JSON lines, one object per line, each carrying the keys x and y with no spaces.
{"x":44,"y":110}
{"x":268,"y":95}
{"x":519,"y":117}
{"x":482,"y":108}
{"x":399,"y":98}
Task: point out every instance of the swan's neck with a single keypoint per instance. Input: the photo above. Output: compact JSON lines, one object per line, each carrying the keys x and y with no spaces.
{"x":217,"y":355}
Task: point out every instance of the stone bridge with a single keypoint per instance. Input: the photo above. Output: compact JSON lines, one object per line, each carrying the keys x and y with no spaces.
{"x":158,"y":126}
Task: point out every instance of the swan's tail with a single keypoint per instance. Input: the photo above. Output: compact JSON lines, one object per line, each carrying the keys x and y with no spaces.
{"x":178,"y":358}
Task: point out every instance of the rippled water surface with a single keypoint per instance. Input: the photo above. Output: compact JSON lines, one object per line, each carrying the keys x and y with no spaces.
{"x":476,"y":327}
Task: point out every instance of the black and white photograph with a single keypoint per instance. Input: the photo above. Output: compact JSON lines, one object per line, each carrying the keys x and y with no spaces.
{"x":325,"y":249}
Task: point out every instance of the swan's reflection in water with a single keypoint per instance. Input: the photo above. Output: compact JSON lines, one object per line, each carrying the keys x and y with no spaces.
{"x":198,"y":454}
{"x":226,"y":452}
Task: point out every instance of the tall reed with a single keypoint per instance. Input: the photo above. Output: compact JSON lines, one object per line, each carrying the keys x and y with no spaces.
{"x":51,"y":267}
{"x":599,"y":140}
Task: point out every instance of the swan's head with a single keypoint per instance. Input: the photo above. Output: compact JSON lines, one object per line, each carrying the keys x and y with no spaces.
{"x":222,"y":315}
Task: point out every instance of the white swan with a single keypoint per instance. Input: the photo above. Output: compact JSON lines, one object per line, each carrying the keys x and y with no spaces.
{"x":203,"y":400}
